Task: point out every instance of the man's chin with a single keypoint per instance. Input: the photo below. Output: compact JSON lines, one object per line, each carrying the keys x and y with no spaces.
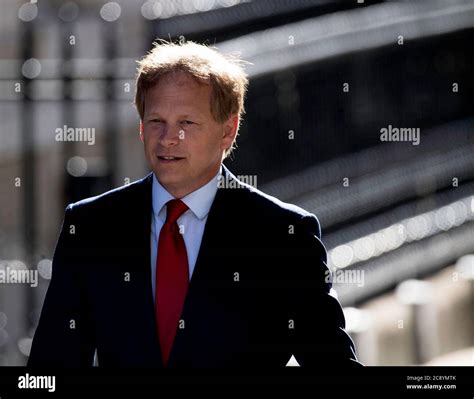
{"x":168,"y":177}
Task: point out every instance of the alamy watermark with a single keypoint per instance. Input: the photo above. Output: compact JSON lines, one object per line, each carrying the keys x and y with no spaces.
{"x":343,"y":276}
{"x":228,"y":182}
{"x":10,"y":275}
{"x":66,"y":133}
{"x":28,"y":381}
{"x":409,"y":134}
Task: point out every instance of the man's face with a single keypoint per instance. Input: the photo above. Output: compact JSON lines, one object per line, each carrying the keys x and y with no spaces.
{"x":178,"y":123}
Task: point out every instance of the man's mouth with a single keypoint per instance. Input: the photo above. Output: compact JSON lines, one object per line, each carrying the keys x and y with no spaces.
{"x":169,"y":159}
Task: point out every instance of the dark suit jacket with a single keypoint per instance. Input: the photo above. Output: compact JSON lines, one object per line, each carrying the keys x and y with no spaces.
{"x":259,"y":291}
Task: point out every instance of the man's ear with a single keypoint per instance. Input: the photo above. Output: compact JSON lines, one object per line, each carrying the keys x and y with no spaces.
{"x":230,"y":128}
{"x":141,"y":132}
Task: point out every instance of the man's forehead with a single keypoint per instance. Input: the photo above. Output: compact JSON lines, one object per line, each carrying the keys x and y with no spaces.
{"x":181,"y":78}
{"x":187,"y":90}
{"x":178,"y":91}
{"x":183,"y":107}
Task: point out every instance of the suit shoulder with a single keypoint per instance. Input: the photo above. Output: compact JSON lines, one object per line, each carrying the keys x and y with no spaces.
{"x":277,"y":205}
{"x":271,"y":207}
{"x":112,"y":198}
{"x":271,"y":211}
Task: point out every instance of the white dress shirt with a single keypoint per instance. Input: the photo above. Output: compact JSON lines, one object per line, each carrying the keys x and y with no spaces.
{"x":192,"y":221}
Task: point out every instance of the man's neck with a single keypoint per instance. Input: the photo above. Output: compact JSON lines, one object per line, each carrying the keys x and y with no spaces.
{"x":181,"y":192}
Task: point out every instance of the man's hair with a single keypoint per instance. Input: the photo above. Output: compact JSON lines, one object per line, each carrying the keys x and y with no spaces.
{"x":224,"y":73}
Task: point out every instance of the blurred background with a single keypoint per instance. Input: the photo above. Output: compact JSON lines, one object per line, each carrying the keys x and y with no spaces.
{"x":327,"y":77}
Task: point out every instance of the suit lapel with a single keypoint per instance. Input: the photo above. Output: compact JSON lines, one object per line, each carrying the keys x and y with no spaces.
{"x":209,"y":267}
{"x":149,"y":352}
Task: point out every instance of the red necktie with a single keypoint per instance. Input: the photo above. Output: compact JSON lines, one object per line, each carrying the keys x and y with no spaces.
{"x":172,"y":277}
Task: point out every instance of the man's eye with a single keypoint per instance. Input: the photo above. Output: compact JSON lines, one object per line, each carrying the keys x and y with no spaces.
{"x":155,"y":120}
{"x":188,"y":122}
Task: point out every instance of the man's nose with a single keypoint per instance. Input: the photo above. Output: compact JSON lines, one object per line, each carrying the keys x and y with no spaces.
{"x":169,"y":135}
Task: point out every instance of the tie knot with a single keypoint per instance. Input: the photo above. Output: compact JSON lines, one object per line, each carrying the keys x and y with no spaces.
{"x":174,"y":209}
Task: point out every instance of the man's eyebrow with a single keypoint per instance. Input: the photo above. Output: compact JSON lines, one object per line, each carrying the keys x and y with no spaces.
{"x":181,"y":116}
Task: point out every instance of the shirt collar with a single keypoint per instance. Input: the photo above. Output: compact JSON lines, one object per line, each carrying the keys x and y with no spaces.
{"x":199,"y":201}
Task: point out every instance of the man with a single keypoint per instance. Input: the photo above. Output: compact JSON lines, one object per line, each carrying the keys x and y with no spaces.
{"x":189,"y":267}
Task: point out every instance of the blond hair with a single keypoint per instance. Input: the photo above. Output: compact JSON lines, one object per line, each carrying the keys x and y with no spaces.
{"x":224,"y":73}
